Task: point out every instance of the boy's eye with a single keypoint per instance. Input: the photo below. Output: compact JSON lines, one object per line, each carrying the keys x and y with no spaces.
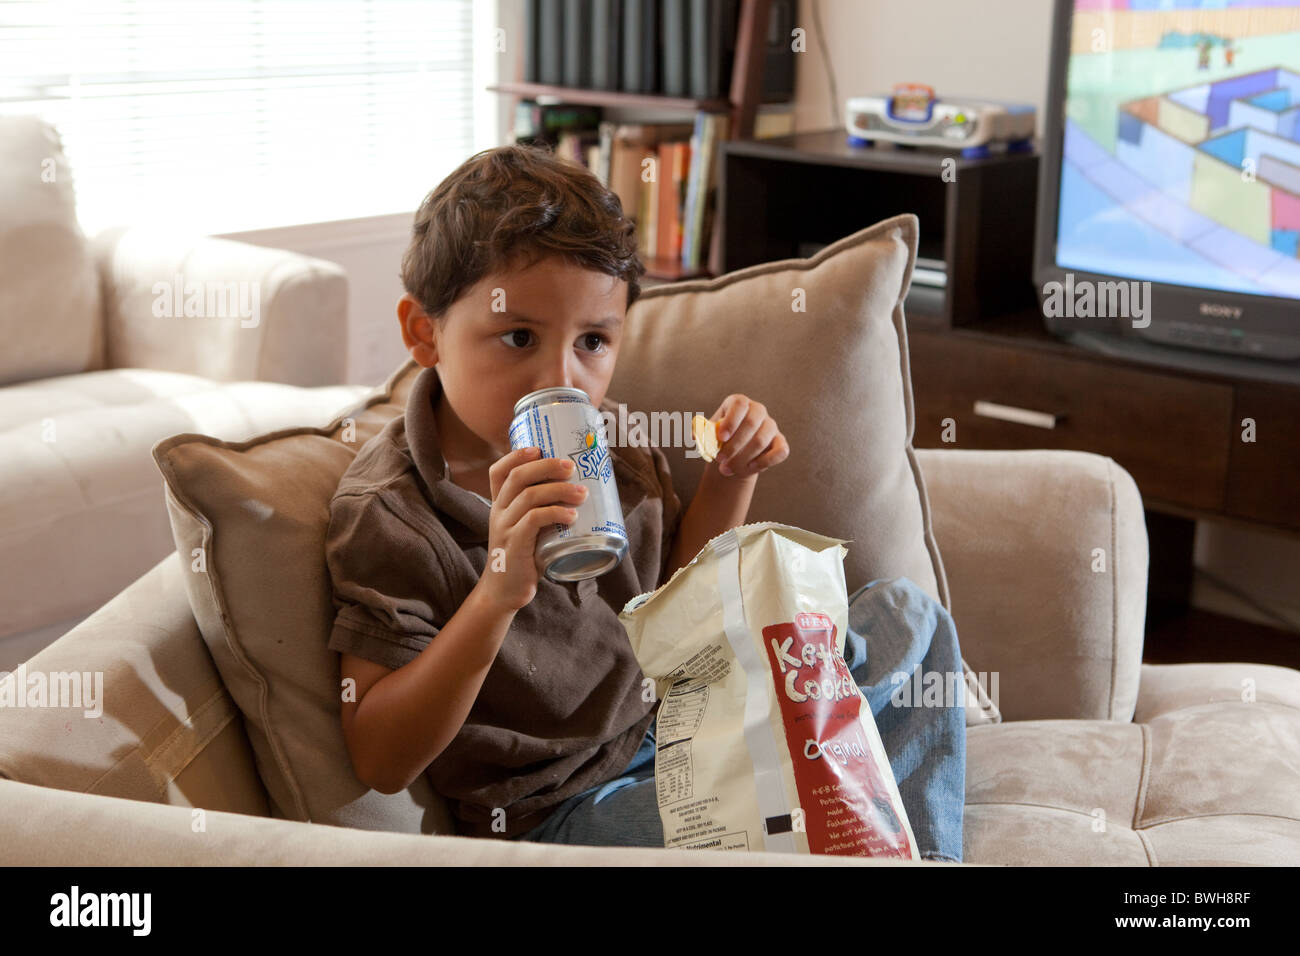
{"x":522,"y":338}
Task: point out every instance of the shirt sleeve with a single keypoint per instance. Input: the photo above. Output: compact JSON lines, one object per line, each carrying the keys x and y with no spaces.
{"x":389,"y":585}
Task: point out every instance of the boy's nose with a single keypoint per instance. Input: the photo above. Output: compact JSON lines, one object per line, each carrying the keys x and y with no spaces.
{"x":558,"y":373}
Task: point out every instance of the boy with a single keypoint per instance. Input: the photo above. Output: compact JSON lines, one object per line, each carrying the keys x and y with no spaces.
{"x":519,"y":275}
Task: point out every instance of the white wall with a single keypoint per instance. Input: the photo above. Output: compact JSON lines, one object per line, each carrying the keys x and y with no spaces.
{"x":991,"y":48}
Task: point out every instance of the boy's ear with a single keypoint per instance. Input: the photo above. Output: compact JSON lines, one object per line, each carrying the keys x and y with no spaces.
{"x":417,"y":331}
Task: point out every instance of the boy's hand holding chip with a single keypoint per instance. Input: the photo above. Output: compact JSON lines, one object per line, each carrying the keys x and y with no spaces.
{"x":742,"y":436}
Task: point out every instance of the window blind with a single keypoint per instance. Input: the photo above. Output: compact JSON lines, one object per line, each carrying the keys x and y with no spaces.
{"x":231,"y":115}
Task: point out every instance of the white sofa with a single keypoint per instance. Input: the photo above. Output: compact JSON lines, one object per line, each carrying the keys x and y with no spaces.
{"x":93,"y":372}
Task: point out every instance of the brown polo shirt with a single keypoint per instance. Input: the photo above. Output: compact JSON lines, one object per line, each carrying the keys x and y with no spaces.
{"x":561,"y":708}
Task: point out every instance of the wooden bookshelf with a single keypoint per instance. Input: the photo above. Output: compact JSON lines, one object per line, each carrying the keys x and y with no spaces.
{"x":742,"y":104}
{"x":546,"y":93}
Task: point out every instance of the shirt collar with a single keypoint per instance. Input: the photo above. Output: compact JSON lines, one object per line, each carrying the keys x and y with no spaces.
{"x":422,"y":438}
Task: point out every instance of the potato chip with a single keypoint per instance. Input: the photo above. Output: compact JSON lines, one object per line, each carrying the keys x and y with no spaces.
{"x":706,"y":437}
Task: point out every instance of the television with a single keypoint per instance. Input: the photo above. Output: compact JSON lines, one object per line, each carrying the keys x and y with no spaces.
{"x":1168,"y":223}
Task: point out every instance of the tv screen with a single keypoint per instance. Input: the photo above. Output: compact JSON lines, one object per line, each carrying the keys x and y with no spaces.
{"x":1174,"y":158}
{"x":1181,"y":157}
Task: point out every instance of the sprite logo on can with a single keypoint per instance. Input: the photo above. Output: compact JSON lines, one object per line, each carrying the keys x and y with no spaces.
{"x":592,"y":458}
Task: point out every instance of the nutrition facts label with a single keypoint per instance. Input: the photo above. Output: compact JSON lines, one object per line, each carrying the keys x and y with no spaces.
{"x":708,"y":666}
{"x":688,"y":820}
{"x":679,"y":719}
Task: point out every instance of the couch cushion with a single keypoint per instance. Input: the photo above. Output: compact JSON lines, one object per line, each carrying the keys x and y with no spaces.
{"x":834,"y":374}
{"x":50,"y":314}
{"x":82,"y":515}
{"x":1207,"y":775}
{"x":250,"y":519}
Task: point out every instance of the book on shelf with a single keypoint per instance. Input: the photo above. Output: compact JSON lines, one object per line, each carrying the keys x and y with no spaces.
{"x":664,"y":174}
{"x":577,"y":43}
{"x":674,"y":166}
{"x":641,"y":46}
{"x":683,"y":48}
{"x":606,"y":42}
{"x":648,"y":174}
{"x":674,"y":47}
{"x":701,"y":192}
{"x":531,"y":29}
{"x":537,"y":123}
{"x":647,"y":217}
{"x":576,"y":145}
{"x":712,"y":46}
{"x":773,"y":119}
{"x":549,"y":22}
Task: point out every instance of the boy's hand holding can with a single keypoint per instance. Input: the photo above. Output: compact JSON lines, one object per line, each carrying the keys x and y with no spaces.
{"x":528,"y":494}
{"x":562,"y":422}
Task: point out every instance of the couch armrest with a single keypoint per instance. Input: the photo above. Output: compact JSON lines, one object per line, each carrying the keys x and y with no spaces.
{"x":255,"y":314}
{"x":134,"y":708}
{"x":1046,"y":558}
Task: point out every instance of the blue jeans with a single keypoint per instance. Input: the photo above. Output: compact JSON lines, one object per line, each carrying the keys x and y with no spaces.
{"x":906,"y":630}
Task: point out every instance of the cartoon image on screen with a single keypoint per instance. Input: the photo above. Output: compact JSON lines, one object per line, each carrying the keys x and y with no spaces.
{"x":1182,"y":143}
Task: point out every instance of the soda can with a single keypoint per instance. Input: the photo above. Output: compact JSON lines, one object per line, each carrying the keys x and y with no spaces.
{"x":563,"y":423}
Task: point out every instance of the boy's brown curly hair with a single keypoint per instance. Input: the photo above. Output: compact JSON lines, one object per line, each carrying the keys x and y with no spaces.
{"x":513,"y":205}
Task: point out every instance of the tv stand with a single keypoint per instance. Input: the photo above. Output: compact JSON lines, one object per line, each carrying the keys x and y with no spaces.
{"x":1165,"y":356}
{"x":1185,"y":434}
{"x":1202,"y":444}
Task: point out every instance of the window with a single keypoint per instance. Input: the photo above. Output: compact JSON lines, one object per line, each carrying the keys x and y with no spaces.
{"x":230,"y":115}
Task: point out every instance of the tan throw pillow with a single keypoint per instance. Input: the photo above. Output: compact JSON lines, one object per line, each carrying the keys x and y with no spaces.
{"x":249,"y":519}
{"x":822,"y":343}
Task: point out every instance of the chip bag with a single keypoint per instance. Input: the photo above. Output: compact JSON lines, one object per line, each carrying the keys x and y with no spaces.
{"x":764,"y":741}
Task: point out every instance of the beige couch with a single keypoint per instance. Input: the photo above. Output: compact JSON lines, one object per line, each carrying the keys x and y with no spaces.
{"x":93,"y":372}
{"x":1172,"y":764}
{"x":220,"y":695}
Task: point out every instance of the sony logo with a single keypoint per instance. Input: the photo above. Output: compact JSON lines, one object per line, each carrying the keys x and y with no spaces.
{"x":1221,"y":311}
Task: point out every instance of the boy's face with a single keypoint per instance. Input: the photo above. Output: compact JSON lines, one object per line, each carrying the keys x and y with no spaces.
{"x":517,"y":331}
